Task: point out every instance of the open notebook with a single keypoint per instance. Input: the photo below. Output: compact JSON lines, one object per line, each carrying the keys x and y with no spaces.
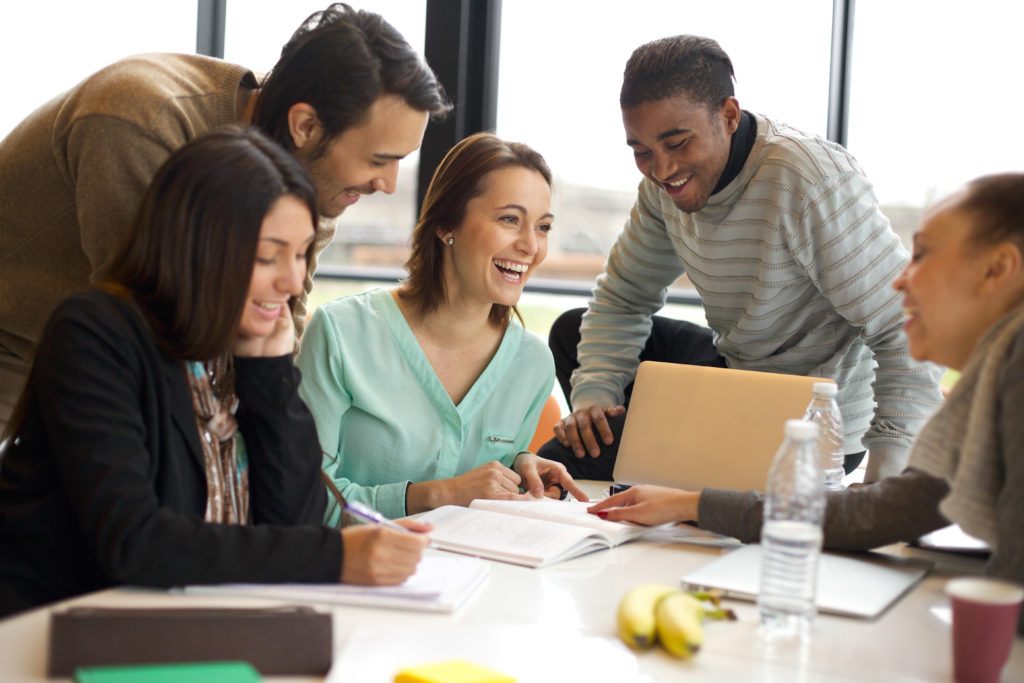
{"x":442,"y":583}
{"x":532,"y":533}
{"x":690,"y":426}
{"x":862,"y":585}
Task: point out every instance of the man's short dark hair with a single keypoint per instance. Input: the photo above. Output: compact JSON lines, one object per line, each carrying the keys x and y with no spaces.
{"x":340,"y":61}
{"x":691,"y":65}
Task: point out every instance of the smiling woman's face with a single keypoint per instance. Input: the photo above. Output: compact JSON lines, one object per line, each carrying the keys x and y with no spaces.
{"x":945,"y":306}
{"x":502,"y":239}
{"x":280,"y":269}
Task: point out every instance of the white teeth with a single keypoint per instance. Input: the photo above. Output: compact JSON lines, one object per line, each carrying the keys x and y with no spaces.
{"x":268,"y":306}
{"x":513,"y":266}
{"x":679,"y":183}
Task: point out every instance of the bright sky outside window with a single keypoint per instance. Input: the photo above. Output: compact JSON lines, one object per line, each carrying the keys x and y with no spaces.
{"x":935,"y":94}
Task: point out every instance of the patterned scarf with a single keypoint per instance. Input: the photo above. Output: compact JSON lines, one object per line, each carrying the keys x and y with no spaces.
{"x":227,"y":468}
{"x":961,"y":442}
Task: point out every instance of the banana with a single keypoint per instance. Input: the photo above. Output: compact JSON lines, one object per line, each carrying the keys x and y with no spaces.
{"x":636,"y":613}
{"x":678,"y":617}
{"x":658,"y":612}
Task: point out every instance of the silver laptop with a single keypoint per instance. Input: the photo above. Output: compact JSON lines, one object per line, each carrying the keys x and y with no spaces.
{"x":862,"y":585}
{"x":690,"y":426}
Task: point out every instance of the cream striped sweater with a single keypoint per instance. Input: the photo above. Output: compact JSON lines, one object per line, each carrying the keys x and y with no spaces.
{"x":794,"y":262}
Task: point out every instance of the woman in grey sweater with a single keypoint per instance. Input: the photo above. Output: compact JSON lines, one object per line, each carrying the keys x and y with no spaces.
{"x":963,"y":299}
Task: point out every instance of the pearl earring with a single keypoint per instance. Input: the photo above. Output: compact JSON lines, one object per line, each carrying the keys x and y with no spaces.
{"x":451,"y":241}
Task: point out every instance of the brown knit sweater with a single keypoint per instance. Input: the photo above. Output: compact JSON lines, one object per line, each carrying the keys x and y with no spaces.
{"x":73,"y":173}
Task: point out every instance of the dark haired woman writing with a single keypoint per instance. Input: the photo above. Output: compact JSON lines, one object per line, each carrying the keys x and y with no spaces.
{"x":160,"y":439}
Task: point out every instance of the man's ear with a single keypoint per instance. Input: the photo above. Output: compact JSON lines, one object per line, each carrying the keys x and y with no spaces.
{"x":304,"y":126}
{"x":1003,"y":266}
{"x":731,"y":113}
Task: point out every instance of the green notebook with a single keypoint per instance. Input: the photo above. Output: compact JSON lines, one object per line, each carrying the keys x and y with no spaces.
{"x":200,"y":672}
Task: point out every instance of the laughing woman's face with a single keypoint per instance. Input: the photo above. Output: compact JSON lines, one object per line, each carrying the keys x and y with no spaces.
{"x":944,"y":300}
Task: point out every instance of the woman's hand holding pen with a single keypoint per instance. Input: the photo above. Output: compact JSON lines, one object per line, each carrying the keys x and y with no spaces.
{"x":373,"y":554}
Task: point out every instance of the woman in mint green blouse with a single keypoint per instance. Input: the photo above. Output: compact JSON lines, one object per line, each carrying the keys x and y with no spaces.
{"x":428,"y":394}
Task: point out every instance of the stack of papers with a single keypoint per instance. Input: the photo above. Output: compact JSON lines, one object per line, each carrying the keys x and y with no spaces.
{"x":442,"y":583}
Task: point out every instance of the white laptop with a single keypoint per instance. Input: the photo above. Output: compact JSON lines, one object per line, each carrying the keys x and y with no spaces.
{"x":691,"y":426}
{"x":861,"y":585}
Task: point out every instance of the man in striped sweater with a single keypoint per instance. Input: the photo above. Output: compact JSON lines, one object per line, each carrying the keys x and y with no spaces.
{"x":781,"y":235}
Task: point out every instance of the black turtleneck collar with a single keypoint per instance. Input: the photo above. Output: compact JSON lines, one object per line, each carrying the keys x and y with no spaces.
{"x":739,"y":149}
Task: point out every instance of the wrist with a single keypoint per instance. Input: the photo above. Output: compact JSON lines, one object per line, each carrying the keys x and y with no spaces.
{"x":884,"y":461}
{"x":688,"y":506}
{"x":426,"y":495}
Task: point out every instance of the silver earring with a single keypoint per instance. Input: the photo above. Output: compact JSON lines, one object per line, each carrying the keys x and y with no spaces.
{"x":451,"y":241}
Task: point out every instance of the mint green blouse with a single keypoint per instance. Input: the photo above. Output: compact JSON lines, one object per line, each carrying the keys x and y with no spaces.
{"x":385,"y":420}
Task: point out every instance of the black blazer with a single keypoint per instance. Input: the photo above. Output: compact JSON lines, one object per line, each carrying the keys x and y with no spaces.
{"x":106,"y":484}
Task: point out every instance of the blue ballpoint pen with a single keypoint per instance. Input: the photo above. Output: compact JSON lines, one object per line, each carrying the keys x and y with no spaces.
{"x":368,"y":514}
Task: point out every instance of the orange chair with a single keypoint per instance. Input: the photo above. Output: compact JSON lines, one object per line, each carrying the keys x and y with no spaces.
{"x":549,"y":415}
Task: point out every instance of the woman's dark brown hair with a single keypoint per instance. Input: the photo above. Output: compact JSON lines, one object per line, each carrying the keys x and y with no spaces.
{"x":461,"y":176}
{"x":997,"y":203}
{"x":190,"y":257}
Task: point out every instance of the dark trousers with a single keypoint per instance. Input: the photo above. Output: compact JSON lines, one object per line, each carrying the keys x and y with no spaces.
{"x":671,"y":341}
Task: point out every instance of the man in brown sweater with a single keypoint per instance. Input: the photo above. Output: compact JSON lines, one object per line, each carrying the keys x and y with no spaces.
{"x":349,"y":98}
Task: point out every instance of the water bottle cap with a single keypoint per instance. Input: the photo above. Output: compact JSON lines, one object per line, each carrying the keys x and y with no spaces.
{"x":801,"y":430}
{"x":825,"y":388}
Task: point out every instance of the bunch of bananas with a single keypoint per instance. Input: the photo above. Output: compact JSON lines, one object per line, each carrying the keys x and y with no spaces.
{"x":658,"y":612}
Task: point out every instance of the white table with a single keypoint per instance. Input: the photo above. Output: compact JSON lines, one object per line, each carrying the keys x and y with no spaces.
{"x":910,"y":642}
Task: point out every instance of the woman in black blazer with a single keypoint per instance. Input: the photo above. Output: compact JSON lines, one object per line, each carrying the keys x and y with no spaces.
{"x":160,"y":439}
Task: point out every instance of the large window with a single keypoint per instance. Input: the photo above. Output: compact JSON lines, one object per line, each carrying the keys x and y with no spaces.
{"x":933,"y":94}
{"x":560,"y":73}
{"x":47,"y":47}
{"x":935,"y":98}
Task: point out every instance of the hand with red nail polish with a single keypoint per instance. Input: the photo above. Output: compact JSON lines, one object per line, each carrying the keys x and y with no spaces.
{"x":649,"y":505}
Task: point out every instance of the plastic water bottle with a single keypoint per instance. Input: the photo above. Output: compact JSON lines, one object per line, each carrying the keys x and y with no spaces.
{"x":824,"y":412}
{"x":794,"y":507}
